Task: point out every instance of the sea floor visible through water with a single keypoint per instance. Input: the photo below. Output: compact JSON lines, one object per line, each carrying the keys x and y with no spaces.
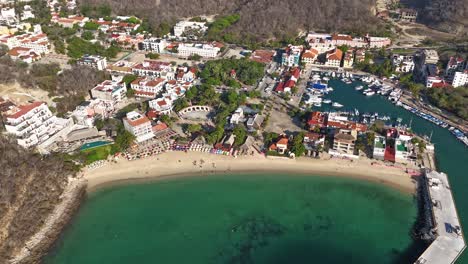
{"x":249,"y":218}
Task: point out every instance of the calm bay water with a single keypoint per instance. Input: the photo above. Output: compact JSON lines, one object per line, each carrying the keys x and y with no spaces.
{"x":261,"y":218}
{"x":242,"y":219}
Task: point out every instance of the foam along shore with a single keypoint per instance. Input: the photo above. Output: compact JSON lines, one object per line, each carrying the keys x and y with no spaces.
{"x":174,"y":164}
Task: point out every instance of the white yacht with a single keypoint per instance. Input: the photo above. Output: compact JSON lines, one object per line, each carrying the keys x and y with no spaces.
{"x":337,"y":105}
{"x":327,"y":101}
{"x":359,"y":88}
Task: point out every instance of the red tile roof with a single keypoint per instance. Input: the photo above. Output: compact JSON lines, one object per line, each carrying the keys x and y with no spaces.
{"x":24,"y":109}
{"x":316,"y":118}
{"x":160,"y":127}
{"x":138,"y":121}
{"x":280,"y":87}
{"x":336,"y":54}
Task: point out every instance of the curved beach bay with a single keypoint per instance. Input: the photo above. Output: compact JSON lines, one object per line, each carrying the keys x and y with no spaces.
{"x":242,"y":218}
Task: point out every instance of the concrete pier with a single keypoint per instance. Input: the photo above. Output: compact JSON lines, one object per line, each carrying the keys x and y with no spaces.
{"x":449,"y":242}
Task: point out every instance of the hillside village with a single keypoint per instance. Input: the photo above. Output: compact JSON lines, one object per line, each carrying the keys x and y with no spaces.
{"x":181,"y":91}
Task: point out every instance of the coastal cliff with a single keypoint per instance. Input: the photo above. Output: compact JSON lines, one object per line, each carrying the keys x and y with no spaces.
{"x":31,"y":188}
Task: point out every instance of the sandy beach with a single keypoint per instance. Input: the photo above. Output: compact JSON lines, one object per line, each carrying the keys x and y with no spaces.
{"x":178,"y":164}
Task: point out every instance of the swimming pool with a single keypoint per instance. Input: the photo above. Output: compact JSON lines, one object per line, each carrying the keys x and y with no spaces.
{"x":94,"y":145}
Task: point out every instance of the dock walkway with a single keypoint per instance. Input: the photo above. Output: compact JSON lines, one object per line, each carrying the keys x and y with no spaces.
{"x":449,"y":242}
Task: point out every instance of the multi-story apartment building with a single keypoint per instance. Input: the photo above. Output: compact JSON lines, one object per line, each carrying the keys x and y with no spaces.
{"x":348,"y":59}
{"x":310,"y":56}
{"x":153,"y":44}
{"x":344,"y":141}
{"x":455,"y":64}
{"x":203,"y":50}
{"x":359,"y":55}
{"x":31,"y":124}
{"x":139,"y":126}
{"x":460,"y":79}
{"x":162,"y":106}
{"x":148,"y":87}
{"x":94,"y":61}
{"x":291,"y":56}
{"x":110,"y":91}
{"x":378,"y":42}
{"x":408,"y":15}
{"x":401,"y":151}
{"x":403,"y":63}
{"x":38,"y":43}
{"x":154,"y":69}
{"x":379,"y":147}
{"x":430,"y":57}
{"x":334,"y":58}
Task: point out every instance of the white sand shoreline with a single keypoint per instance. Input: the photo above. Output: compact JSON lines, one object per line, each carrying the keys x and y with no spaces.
{"x":187,"y":164}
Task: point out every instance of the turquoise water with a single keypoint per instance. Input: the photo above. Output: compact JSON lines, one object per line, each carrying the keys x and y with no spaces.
{"x":262,"y":218}
{"x":451,"y":155}
{"x":242,"y":219}
{"x":94,"y":145}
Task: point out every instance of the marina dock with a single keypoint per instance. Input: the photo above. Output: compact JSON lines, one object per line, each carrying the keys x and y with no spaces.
{"x":449,"y":242}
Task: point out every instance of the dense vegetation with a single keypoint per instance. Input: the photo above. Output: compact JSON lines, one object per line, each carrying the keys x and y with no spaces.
{"x":77,"y":47}
{"x":218,"y":72}
{"x":452,"y":99}
{"x":260,"y":20}
{"x":31,"y":186}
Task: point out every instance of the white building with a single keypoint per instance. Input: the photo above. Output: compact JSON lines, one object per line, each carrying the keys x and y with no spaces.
{"x":139,"y":126}
{"x":162,"y":106}
{"x":430,"y":56}
{"x":460,"y":79}
{"x":148,"y":87}
{"x":309,"y":56}
{"x":455,"y":64}
{"x":431,"y":80}
{"x":182,"y":26}
{"x":334,"y":58}
{"x":401,"y":151}
{"x":203,"y":50}
{"x":8,"y":15}
{"x":111,"y":91}
{"x":93,"y":61}
{"x":31,"y":124}
{"x":27,"y":13}
{"x":403,"y":63}
{"x":378,"y":42}
{"x":154,"y":45}
{"x":153,"y":68}
{"x":379,"y":148}
{"x":86,"y":112}
{"x":238,"y":116}
{"x":39,"y":43}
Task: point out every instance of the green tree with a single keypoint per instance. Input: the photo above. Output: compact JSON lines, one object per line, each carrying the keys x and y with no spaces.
{"x":91,"y":25}
{"x":195,"y":57}
{"x":180,"y":104}
{"x":128,"y":79}
{"x":87,"y":35}
{"x":298,"y":147}
{"x":153,"y":56}
{"x":241,"y":134}
{"x":193,"y":128}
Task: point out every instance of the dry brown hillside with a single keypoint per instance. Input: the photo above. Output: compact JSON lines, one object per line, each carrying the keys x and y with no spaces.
{"x":30,"y":187}
{"x":260,"y":18}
